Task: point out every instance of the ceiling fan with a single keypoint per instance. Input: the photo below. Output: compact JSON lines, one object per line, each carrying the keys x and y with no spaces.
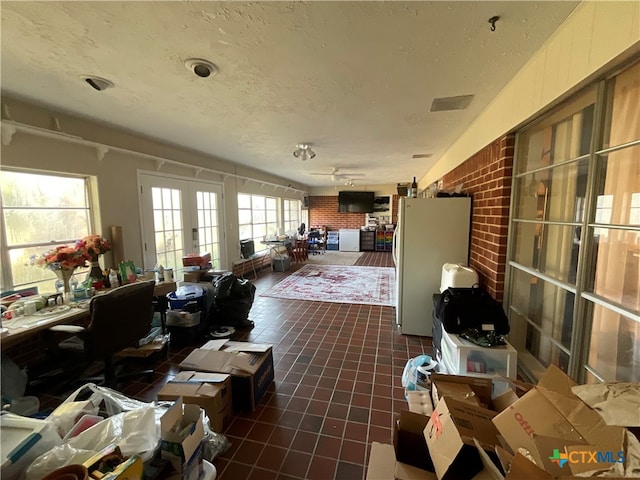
{"x":337,"y":175}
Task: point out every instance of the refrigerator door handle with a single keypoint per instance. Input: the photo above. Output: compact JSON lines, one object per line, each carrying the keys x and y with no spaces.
{"x":394,"y":248}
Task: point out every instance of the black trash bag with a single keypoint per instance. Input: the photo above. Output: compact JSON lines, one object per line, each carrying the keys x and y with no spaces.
{"x":233,"y":300}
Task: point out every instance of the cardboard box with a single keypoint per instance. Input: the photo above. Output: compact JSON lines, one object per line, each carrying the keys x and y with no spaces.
{"x":384,"y":466}
{"x":192,"y":259}
{"x":450,"y":435}
{"x":420,"y":402}
{"x":181,"y":435}
{"x":457,"y":391}
{"x":251,"y":372}
{"x":211,"y":391}
{"x":409,"y":442}
{"x":481,"y":386}
{"x":550,"y":417}
{"x":193,"y":277}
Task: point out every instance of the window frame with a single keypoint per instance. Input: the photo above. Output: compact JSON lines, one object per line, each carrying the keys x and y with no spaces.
{"x":258,"y":239}
{"x":92,"y":215}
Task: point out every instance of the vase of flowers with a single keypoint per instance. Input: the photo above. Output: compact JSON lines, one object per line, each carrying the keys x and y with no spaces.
{"x":63,"y":260}
{"x":93,"y":246}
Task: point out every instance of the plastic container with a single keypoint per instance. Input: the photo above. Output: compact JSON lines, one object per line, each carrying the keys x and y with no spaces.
{"x":456,"y":275}
{"x":462,"y":357}
{"x":185,"y":294}
{"x":179,"y":318}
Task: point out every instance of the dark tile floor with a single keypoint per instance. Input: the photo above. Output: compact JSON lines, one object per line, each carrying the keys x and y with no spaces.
{"x":337,"y":386}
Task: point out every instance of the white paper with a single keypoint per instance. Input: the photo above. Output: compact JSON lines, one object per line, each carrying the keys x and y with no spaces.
{"x":199,"y":377}
{"x":214,"y":344}
{"x":232,"y":346}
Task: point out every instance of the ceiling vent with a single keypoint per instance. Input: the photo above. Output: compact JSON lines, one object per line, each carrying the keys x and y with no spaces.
{"x":97,"y":83}
{"x":422,"y":155}
{"x":445,"y":104}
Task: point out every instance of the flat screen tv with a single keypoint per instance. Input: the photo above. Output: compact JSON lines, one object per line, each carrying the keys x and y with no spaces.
{"x":355,"y":202}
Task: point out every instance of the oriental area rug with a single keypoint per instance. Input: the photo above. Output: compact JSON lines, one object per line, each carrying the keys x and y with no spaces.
{"x":338,"y":284}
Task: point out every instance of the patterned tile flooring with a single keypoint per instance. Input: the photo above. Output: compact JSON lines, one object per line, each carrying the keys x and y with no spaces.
{"x":337,"y":386}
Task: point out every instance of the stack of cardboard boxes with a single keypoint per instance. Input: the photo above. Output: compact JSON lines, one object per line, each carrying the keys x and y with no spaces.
{"x":195,"y":265}
{"x":539,"y":432}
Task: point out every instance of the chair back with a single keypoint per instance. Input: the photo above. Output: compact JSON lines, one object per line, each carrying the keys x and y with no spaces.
{"x":119,"y":318}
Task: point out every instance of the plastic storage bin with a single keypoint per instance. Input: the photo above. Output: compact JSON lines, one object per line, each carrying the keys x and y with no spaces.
{"x":456,"y":275}
{"x":465,"y":358}
{"x":179,"y":318}
{"x":186,"y":294}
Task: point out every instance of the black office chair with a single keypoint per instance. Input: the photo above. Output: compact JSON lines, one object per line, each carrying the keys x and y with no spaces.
{"x":118,"y":319}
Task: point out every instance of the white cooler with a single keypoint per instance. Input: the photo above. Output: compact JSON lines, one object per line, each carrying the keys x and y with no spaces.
{"x":456,"y":275}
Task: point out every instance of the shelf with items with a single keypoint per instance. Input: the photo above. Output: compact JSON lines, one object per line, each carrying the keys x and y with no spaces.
{"x":384,"y":240}
{"x":367,"y":241}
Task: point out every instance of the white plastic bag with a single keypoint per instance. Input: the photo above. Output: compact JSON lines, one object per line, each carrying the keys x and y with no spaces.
{"x":416,"y":373}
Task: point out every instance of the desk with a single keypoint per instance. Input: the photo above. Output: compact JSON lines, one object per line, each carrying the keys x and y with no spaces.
{"x":275,"y":245}
{"x":26,"y":326}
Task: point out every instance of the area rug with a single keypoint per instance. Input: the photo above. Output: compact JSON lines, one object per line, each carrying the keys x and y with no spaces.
{"x":338,"y":284}
{"x":334,"y":258}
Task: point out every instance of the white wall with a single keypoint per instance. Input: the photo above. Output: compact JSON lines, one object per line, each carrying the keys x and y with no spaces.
{"x":117,"y":172}
{"x":596,"y":35}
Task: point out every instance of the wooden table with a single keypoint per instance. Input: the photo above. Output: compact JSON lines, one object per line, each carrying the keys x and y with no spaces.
{"x":26,"y":326}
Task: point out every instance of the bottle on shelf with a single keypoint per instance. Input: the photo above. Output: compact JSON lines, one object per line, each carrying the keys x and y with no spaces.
{"x":113,"y":279}
{"x":414,"y":188}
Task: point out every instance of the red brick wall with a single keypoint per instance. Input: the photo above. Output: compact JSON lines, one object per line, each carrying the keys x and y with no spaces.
{"x":323,"y":210}
{"x":486,"y":176}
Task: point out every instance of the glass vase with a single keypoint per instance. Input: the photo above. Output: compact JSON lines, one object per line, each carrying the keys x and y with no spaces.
{"x":65,"y":274}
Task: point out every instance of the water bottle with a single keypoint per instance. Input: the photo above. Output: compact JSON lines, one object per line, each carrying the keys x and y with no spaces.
{"x":73,"y":283}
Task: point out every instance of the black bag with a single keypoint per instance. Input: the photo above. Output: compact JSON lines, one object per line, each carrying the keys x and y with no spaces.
{"x":462,"y":308}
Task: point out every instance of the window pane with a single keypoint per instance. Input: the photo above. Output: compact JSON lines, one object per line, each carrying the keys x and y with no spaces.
{"x":272,"y":216}
{"x":614,"y":351}
{"x":525,"y":337}
{"x":551,"y":249}
{"x":619,"y":192}
{"x":272,"y":203}
{"x":246,"y":232}
{"x":28,"y":226}
{"x":562,"y":136}
{"x":258,"y":202}
{"x":258,"y":216}
{"x":617,"y":266}
{"x":244,"y":201}
{"x":623,"y":114}
{"x":544,"y":304}
{"x":555,"y":195}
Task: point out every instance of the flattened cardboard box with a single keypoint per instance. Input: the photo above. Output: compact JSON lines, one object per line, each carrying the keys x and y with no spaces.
{"x":251,"y":373}
{"x":214,"y":396}
{"x":450,"y":435}
{"x":383,"y":466}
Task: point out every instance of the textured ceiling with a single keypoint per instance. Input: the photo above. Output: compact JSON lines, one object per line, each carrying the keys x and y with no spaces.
{"x":354,"y":79}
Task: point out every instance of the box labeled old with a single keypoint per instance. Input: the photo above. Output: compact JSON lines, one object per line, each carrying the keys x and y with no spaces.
{"x":465,"y":358}
{"x":251,"y":371}
{"x":181,"y":435}
{"x":211,"y":391}
{"x":450,"y":435}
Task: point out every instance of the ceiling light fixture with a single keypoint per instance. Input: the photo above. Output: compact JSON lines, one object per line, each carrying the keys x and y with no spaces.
{"x":201,"y":68}
{"x":303,"y":152}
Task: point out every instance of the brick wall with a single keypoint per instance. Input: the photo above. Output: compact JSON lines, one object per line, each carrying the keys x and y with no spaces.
{"x":486,"y":176}
{"x":323,"y":210}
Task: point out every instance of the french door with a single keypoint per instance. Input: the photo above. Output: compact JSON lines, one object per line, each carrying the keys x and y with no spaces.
{"x":180,"y":216}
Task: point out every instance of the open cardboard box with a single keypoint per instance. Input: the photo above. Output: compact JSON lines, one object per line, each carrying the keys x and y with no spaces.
{"x":251,"y":371}
{"x":550,"y":418}
{"x":211,"y":391}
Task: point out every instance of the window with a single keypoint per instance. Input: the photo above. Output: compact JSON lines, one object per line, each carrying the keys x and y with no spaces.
{"x":39,"y":212}
{"x":257,"y":217}
{"x":291,"y":215}
{"x":573,"y":293}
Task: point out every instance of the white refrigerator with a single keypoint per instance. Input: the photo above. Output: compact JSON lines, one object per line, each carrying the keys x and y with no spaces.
{"x":430,"y":233}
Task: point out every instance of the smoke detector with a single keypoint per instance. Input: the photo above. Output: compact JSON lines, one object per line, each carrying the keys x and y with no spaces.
{"x":201,"y":68}
{"x":97,"y":83}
